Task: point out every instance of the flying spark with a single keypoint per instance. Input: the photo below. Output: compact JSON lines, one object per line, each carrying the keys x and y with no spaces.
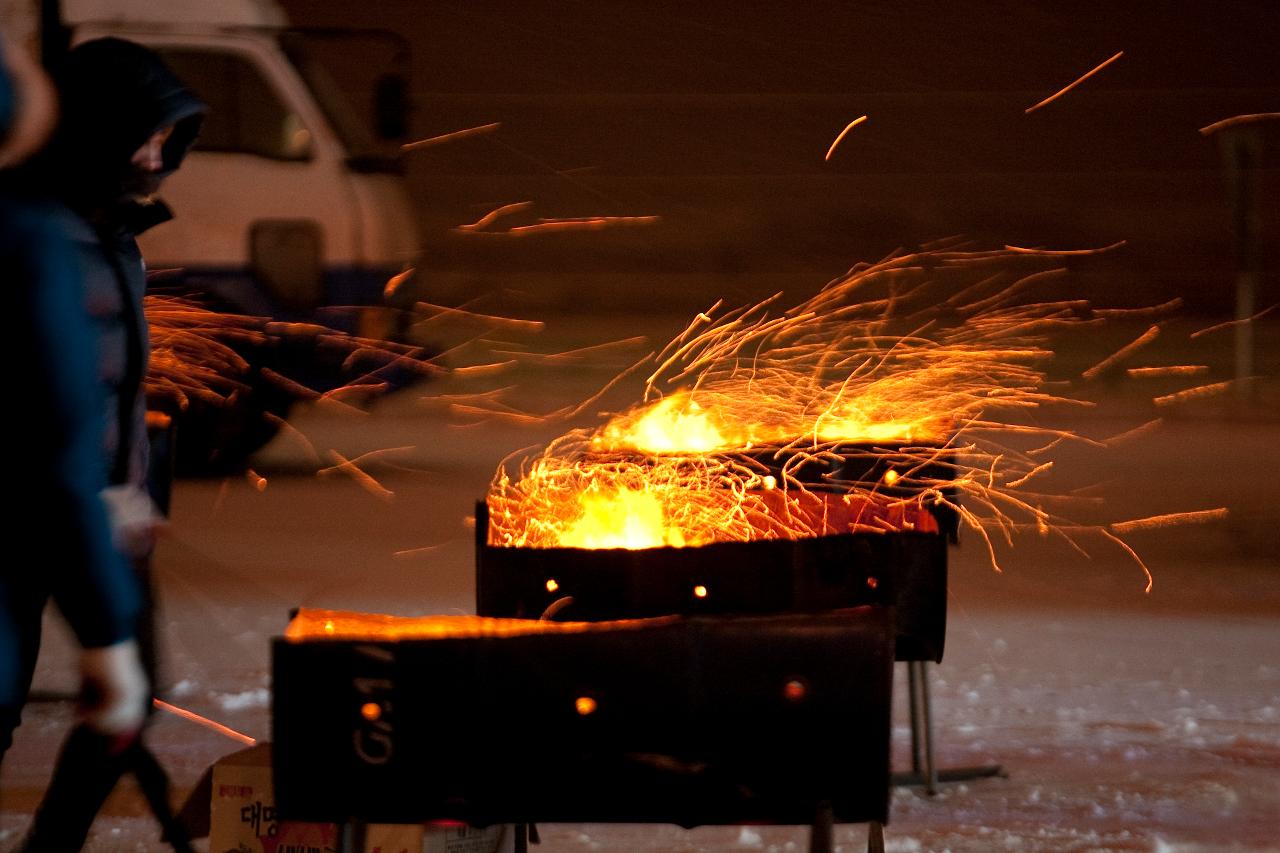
{"x":840,"y":136}
{"x":1200,"y":392}
{"x":431,"y":141}
{"x":1124,"y":352}
{"x":1073,"y":84}
{"x":933,"y":364}
{"x":363,"y":478}
{"x":212,"y":725}
{"x":1236,"y":121}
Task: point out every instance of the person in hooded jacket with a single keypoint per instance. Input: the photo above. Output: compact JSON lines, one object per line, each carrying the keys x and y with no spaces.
{"x":126,"y":123}
{"x":58,"y":468}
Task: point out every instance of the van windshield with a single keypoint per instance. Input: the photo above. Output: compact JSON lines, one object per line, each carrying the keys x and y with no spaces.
{"x":246,"y":114}
{"x":336,"y":66}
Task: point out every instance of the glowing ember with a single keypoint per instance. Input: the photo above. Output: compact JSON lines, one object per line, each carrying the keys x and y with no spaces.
{"x":311,"y":624}
{"x":652,"y":502}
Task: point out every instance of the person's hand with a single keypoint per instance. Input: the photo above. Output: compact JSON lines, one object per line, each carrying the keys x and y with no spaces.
{"x":135,"y":520}
{"x":114,"y":692}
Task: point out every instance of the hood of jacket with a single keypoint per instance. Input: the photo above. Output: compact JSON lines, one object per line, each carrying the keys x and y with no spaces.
{"x":114,"y":95}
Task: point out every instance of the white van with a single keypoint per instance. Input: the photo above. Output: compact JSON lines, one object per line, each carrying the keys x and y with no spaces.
{"x":289,"y":206}
{"x":288,"y":203}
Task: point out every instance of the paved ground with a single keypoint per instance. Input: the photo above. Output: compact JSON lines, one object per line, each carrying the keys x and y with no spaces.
{"x":1127,"y":722}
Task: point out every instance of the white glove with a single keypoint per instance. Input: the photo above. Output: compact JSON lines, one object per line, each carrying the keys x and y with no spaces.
{"x":135,"y":519}
{"x":114,"y":692}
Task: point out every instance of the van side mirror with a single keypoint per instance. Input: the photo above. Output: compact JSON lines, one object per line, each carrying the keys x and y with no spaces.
{"x":286,"y":257}
{"x":391,"y":106}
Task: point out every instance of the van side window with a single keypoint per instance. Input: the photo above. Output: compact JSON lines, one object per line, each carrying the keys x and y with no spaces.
{"x":245,"y":114}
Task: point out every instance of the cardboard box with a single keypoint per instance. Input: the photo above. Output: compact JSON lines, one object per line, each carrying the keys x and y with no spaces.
{"x":242,"y":819}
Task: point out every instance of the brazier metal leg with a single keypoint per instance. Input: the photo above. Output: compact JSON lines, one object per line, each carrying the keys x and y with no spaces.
{"x":913,"y":703}
{"x":352,"y":836}
{"x":926,"y":715}
{"x":522,"y":838}
{"x":823,"y":829}
{"x":875,"y":837}
{"x":924,"y":771}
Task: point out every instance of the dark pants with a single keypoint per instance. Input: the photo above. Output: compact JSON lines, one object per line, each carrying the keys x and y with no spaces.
{"x":89,"y":764}
{"x":22,"y":604}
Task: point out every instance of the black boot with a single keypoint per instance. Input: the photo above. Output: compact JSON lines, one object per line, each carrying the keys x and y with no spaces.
{"x":87,"y":771}
{"x":88,"y":768}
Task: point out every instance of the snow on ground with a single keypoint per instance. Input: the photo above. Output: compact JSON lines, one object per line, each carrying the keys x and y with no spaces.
{"x":1125,"y":722}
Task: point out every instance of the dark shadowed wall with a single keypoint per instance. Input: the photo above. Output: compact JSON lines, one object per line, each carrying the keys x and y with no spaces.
{"x":715,"y":116}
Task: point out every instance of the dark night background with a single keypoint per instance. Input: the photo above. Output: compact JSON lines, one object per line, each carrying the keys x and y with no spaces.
{"x":716,"y":116}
